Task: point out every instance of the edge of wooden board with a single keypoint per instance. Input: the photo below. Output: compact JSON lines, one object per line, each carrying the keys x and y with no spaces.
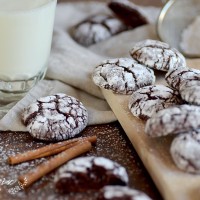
{"x":154,"y":153}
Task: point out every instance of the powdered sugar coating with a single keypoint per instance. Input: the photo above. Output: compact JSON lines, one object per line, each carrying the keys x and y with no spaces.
{"x":191,"y":95}
{"x":189,"y":92}
{"x":110,"y":140}
{"x":87,"y":173}
{"x":173,"y":120}
{"x":148,"y":100}
{"x":187,"y":82}
{"x":121,"y":193}
{"x":185,"y":151}
{"x":157,"y":55}
{"x":97,"y":28}
{"x":175,"y":78}
{"x":122,"y":75}
{"x":54,"y":118}
{"x":82,"y":164}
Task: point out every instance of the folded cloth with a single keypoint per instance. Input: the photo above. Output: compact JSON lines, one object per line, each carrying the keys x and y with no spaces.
{"x":70,"y":65}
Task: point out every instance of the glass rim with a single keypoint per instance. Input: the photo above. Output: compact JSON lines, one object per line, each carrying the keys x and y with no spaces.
{"x":161,"y":20}
{"x":26,"y":11}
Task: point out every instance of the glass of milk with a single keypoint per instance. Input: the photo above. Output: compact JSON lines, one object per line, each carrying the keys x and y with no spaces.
{"x":26,"y":28}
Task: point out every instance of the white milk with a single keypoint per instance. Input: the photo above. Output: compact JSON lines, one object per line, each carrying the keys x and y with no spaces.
{"x":25,"y":37}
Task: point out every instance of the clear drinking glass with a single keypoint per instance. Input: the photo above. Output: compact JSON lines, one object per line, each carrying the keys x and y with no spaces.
{"x":26,"y":28}
{"x":175,"y":16}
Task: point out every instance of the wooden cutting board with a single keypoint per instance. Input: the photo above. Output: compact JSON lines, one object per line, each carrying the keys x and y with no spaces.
{"x":172,"y":183}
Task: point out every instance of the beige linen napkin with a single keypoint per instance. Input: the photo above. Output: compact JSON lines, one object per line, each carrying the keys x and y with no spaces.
{"x":70,"y":65}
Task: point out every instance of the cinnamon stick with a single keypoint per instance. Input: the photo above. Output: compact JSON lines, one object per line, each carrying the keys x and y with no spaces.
{"x":48,"y":150}
{"x":46,"y":167}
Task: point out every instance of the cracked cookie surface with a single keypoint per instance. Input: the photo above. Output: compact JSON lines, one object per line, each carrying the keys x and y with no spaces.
{"x":148,"y":100}
{"x":175,"y":78}
{"x":97,"y":28}
{"x":121,"y":193}
{"x":173,"y":120}
{"x":89,"y":173}
{"x":122,"y":75}
{"x":185,"y":151}
{"x":157,"y":55}
{"x":187,"y":82}
{"x":190,"y":92}
{"x":54,"y":118}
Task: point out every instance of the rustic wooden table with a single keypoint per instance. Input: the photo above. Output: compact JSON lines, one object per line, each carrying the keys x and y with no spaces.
{"x":112,"y":143}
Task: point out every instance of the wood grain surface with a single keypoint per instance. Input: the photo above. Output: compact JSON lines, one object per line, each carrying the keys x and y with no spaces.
{"x":173,"y":183}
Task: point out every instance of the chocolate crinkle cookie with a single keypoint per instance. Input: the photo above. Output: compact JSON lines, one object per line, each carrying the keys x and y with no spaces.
{"x":190,"y":92}
{"x":128,"y":12}
{"x":176,"y":77}
{"x":148,"y":100}
{"x":122,"y":75}
{"x":97,"y":28}
{"x":187,"y":82}
{"x":185,"y":151}
{"x":54,"y":118}
{"x":157,"y":55}
{"x":121,"y":193}
{"x":173,"y":120}
{"x":89,"y":173}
